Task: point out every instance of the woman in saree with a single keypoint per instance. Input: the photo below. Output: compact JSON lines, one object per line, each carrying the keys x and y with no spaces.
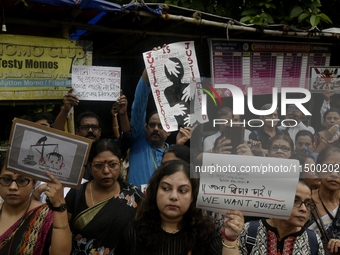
{"x":327,"y":197}
{"x":102,"y":207}
{"x":331,"y":135}
{"x":28,"y":227}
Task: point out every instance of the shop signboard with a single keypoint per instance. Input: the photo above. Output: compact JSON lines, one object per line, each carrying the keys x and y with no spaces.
{"x":38,"y":68}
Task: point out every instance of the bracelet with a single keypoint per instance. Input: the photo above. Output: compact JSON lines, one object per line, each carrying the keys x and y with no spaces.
{"x":229,"y":239}
{"x":35,"y":196}
{"x":115,"y":126}
{"x":62,"y":227}
{"x":230,"y":246}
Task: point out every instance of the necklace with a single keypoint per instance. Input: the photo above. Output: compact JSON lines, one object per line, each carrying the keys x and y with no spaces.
{"x":173,"y":232}
{"x":91,"y":193}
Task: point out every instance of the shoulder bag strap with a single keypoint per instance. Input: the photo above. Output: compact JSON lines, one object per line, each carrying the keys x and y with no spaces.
{"x":317,"y":218}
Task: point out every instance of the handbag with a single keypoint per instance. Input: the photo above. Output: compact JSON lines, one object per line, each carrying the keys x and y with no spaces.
{"x":324,"y":236}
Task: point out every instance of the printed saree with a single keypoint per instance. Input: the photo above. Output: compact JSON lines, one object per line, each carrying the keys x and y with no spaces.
{"x":97,"y":230}
{"x":30,"y":235}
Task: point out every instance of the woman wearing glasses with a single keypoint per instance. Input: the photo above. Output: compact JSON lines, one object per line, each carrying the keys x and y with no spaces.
{"x":280,"y":146}
{"x":327,"y":197}
{"x":277,"y":236}
{"x":105,"y":204}
{"x":28,"y":227}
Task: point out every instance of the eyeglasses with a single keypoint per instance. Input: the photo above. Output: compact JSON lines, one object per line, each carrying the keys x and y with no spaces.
{"x":282,"y":148}
{"x":154,"y":124}
{"x":308,"y":204}
{"x":21,"y":181}
{"x":99,"y":166}
{"x":87,"y":127}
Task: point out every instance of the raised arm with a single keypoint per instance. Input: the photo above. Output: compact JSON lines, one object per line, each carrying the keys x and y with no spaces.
{"x":70,"y":100}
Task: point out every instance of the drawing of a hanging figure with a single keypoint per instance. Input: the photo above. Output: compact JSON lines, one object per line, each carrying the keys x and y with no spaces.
{"x":52,"y":160}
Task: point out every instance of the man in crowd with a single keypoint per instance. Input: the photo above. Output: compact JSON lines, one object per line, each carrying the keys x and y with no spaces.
{"x":223,"y":113}
{"x":261,"y":136}
{"x":148,"y":137}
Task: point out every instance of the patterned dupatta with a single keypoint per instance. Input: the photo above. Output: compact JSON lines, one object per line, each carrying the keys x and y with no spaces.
{"x":29,"y":235}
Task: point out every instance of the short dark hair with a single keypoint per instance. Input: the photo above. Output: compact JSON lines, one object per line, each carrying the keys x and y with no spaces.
{"x":44,"y":116}
{"x":181,"y":151}
{"x":337,"y":110}
{"x":87,"y":114}
{"x":304,"y":133}
{"x":149,"y":116}
{"x":304,"y":182}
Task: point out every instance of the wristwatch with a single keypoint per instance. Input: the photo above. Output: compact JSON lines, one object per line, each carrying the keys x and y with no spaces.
{"x":60,"y":208}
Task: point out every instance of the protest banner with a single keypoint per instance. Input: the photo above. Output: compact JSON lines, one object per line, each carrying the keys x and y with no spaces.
{"x":174,"y":76}
{"x":257,"y":186}
{"x":97,"y":83}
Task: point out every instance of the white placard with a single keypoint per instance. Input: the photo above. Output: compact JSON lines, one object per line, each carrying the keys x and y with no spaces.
{"x":258,"y":186}
{"x":174,"y":75}
{"x":99,"y":83}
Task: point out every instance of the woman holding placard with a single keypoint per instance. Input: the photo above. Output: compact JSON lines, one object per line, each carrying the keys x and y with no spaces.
{"x":28,"y":227}
{"x":278,"y":236}
{"x":168,"y":222}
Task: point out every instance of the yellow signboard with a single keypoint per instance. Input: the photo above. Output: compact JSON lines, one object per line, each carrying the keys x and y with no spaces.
{"x":34,"y":68}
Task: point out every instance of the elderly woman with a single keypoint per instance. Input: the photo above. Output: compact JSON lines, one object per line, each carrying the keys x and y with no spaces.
{"x":277,"y":236}
{"x":327,"y":197}
{"x":281,"y":146}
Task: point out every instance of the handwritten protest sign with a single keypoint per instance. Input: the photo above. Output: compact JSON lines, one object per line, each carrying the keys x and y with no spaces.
{"x":96,"y":82}
{"x":173,"y":74}
{"x":257,"y":186}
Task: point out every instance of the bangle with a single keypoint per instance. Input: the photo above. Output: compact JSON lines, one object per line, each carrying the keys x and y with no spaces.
{"x":62,"y":227}
{"x":229,"y":239}
{"x":230,"y":246}
{"x":115,"y":126}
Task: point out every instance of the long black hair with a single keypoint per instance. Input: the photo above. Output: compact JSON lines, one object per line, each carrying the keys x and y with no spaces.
{"x":148,"y":222}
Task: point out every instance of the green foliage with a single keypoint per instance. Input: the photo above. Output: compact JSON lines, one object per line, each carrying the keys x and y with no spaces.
{"x":301,"y":13}
{"x":298,"y":13}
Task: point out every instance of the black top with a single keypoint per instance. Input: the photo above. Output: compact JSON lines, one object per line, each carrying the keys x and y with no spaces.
{"x":168,"y":244}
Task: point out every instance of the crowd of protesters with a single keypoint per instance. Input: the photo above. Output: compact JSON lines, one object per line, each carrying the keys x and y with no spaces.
{"x":138,"y":197}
